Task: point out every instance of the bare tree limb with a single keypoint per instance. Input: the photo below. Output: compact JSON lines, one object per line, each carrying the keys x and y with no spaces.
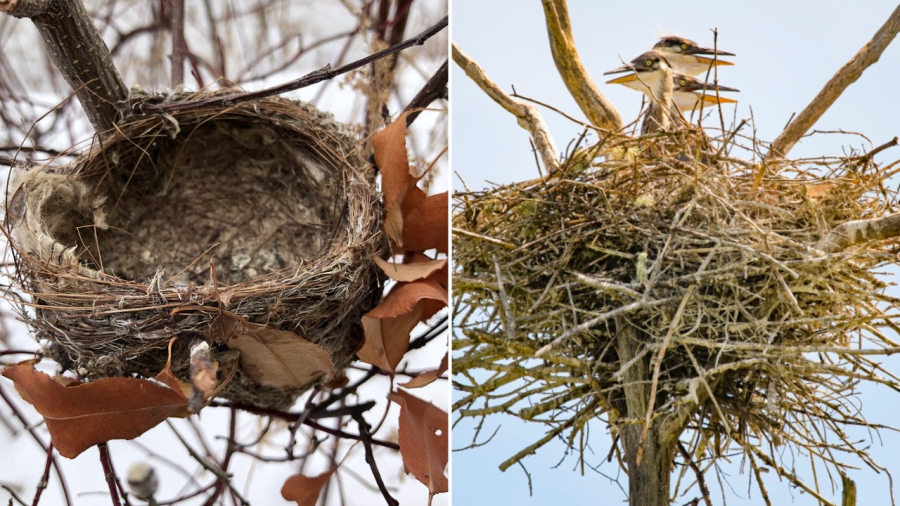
{"x":847,"y":75}
{"x":529,"y":117}
{"x":593,"y":104}
{"x":435,"y":88}
{"x":78,"y":51}
{"x":859,"y":231}
{"x":179,"y":46}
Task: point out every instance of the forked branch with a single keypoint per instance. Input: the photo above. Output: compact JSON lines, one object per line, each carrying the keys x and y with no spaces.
{"x":593,"y":104}
{"x":528,"y":116}
{"x":847,"y":75}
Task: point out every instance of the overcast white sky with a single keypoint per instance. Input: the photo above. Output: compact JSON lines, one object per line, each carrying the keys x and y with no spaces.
{"x":786,"y":51}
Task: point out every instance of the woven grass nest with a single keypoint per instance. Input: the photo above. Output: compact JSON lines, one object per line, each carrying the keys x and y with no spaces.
{"x":555,"y":268}
{"x":114,"y":250}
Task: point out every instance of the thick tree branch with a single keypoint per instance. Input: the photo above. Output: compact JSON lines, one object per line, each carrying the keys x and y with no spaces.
{"x":78,"y":51}
{"x":856,"y":232}
{"x":847,"y":75}
{"x":593,"y":104}
{"x":529,"y":117}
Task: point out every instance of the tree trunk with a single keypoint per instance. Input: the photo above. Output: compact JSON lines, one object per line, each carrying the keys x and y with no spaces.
{"x":648,"y":482}
{"x":78,"y":51}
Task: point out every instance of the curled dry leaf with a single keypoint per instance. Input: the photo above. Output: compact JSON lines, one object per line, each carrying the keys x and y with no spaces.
{"x":388,"y":325}
{"x":428,"y":377}
{"x":85,"y":414}
{"x":424,"y":442}
{"x":305,"y":489}
{"x":397,"y":177}
{"x":279,"y":358}
{"x":411,"y":271}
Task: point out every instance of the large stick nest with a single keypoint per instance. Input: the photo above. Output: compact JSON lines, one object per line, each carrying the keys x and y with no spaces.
{"x":264,"y":209}
{"x":547,"y":273}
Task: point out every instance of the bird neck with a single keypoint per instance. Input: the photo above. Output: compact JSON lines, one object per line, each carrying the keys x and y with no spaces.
{"x":662,"y":91}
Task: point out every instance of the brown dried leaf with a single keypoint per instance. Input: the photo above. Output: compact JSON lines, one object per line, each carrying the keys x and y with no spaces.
{"x":388,"y":325}
{"x":428,"y":377}
{"x":305,"y":489}
{"x":169,"y":379}
{"x":279,"y":358}
{"x":397,"y":177}
{"x":425,"y":221}
{"x":411,"y":271}
{"x":85,"y":414}
{"x":424,"y":442}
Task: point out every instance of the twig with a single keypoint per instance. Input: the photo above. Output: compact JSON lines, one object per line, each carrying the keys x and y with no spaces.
{"x":28,"y":426}
{"x":847,"y":75}
{"x":434,"y":89}
{"x":704,"y":489}
{"x":366,"y":439}
{"x":109,"y":474}
{"x":529,"y":117}
{"x":45,"y":478}
{"x":323,"y":74}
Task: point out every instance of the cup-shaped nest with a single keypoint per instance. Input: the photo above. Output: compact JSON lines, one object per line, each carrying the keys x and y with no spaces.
{"x":265,"y":210}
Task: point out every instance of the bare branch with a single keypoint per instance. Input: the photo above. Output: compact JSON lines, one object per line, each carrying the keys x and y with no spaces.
{"x":78,"y":51}
{"x":593,"y":104}
{"x":529,"y":117}
{"x":179,"y":46}
{"x":859,"y":231}
{"x":847,"y":75}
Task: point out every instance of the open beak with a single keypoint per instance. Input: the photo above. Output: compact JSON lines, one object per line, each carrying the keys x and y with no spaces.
{"x":619,"y":70}
{"x":707,"y":50}
{"x":624,"y":79}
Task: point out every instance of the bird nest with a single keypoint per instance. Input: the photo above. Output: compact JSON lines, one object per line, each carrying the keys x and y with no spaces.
{"x":265,"y":209}
{"x":675,"y":244}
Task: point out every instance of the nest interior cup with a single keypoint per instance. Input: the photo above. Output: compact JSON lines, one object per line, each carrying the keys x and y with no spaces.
{"x":266,"y":209}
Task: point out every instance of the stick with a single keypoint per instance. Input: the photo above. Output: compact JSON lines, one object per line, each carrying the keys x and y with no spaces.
{"x":598,"y":109}
{"x":179,"y":46}
{"x":847,"y":75}
{"x":435,"y":88}
{"x":323,"y":74}
{"x":528,"y":116}
{"x":109,"y":474}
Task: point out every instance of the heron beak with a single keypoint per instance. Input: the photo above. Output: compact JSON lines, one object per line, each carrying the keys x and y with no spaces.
{"x":707,"y":50}
{"x":712,"y":99}
{"x":709,"y":61}
{"x":711,"y":87}
{"x":622,"y":80}
{"x":619,"y":70}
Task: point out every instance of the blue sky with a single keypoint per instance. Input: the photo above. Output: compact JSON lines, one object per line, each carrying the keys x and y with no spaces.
{"x":786,"y":51}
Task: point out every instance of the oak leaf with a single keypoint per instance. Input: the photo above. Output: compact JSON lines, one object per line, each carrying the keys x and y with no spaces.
{"x":82,"y":415}
{"x":424,"y":441}
{"x":279,"y":358}
{"x":388,"y":325}
{"x":305,"y":489}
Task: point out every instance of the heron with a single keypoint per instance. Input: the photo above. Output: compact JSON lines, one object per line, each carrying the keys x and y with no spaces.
{"x":684,"y":57}
{"x":652,"y":74}
{"x":686,"y":91}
